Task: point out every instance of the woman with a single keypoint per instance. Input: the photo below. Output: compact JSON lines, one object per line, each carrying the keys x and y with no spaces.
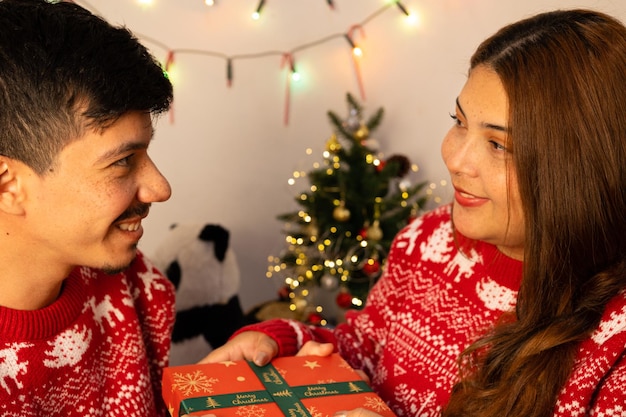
{"x":537,"y":157}
{"x":564,"y":75}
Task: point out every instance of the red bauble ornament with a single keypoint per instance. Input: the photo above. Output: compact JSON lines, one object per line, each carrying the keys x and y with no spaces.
{"x":344,"y":299}
{"x":314,"y":318}
{"x":381,"y":166}
{"x":363,"y":233}
{"x":371,"y":267}
{"x":283,"y":293}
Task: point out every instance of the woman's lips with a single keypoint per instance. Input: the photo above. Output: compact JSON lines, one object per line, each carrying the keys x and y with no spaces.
{"x":468,"y":200}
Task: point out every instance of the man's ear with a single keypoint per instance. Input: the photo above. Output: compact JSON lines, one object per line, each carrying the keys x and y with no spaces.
{"x":11,"y":193}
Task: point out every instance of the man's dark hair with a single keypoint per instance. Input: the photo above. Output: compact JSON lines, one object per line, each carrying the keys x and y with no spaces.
{"x":64,"y":70}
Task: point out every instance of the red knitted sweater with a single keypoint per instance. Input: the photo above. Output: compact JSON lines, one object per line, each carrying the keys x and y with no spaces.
{"x":431,"y":302}
{"x":98,"y":350}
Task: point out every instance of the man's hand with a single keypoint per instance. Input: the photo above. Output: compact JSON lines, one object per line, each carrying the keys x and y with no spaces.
{"x":251,"y":345}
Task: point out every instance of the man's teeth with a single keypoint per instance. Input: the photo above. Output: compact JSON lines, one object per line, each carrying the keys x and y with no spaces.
{"x":130,"y":227}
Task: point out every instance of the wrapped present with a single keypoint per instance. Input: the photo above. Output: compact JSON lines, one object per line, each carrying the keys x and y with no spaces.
{"x":299,"y":386}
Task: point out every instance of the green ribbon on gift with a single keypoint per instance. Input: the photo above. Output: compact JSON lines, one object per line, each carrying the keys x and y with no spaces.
{"x":277,"y":390}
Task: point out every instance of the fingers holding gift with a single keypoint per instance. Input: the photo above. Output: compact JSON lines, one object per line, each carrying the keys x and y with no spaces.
{"x":251,"y":345}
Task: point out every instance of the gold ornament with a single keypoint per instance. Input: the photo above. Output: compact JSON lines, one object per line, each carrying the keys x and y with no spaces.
{"x":374,"y":232}
{"x":311,"y":230}
{"x":341,"y":213}
{"x":362,"y":133}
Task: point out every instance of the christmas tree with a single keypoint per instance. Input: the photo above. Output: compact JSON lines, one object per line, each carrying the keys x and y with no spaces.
{"x":338,"y":240}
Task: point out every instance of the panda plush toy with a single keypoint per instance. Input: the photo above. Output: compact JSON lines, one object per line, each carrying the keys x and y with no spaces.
{"x":204,"y":270}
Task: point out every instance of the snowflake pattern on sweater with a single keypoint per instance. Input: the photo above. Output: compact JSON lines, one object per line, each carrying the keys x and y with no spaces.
{"x":439,"y":292}
{"x":98,"y":350}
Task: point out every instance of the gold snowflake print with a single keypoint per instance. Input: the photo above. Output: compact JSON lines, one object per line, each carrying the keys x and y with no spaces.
{"x":281,"y":371}
{"x":375,"y":403}
{"x":315,"y":413}
{"x":193,"y":382}
{"x":325,"y":381}
{"x":251,"y":411}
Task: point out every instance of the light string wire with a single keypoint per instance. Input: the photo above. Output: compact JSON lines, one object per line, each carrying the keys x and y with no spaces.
{"x":229,"y":59}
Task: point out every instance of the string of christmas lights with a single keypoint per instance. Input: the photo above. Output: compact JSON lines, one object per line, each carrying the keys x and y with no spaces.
{"x":287,"y":58}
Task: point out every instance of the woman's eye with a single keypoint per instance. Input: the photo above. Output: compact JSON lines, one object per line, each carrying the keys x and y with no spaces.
{"x":497,"y":146}
{"x":455,"y":119}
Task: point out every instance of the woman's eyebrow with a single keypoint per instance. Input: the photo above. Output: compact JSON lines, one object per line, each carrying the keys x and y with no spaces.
{"x":458,"y":106}
{"x":485,"y":125}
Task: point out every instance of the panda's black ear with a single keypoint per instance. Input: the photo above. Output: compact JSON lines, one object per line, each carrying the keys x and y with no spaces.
{"x":219,"y":235}
{"x":173,"y":273}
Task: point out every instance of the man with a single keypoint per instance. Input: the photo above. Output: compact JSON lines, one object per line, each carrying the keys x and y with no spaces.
{"x":85,"y":319}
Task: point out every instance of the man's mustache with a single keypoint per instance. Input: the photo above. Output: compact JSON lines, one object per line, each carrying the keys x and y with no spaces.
{"x":140,"y":210}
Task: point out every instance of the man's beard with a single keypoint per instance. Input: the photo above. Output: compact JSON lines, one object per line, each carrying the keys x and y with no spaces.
{"x":140,"y":209}
{"x":116,"y":269}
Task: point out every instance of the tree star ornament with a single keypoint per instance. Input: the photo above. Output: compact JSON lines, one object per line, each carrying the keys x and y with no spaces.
{"x":353,"y":122}
{"x":362,"y":133}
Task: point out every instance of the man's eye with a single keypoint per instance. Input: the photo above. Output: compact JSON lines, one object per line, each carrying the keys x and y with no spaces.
{"x":124,"y":161}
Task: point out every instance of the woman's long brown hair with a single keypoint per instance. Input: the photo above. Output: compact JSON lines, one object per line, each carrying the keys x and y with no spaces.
{"x":565,"y":76}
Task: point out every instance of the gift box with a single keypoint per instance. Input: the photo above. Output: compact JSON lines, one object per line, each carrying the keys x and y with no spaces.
{"x":311,"y":386}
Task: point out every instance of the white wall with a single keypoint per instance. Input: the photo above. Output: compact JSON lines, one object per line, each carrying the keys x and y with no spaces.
{"x":228,"y":154}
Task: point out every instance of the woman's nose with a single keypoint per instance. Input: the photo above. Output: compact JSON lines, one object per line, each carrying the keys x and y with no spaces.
{"x":458,"y":153}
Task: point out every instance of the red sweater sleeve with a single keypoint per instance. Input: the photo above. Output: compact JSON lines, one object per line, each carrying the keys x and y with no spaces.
{"x":290,"y":335}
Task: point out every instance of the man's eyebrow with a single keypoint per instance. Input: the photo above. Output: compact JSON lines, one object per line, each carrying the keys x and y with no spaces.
{"x":122,"y":149}
{"x":485,"y":125}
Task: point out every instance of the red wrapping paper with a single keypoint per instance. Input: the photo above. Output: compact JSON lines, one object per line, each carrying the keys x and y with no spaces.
{"x":306,"y":386}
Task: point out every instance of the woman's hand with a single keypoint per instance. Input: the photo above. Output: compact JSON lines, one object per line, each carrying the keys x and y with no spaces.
{"x":316,"y":349}
{"x":325,"y":349}
{"x":251,"y":345}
